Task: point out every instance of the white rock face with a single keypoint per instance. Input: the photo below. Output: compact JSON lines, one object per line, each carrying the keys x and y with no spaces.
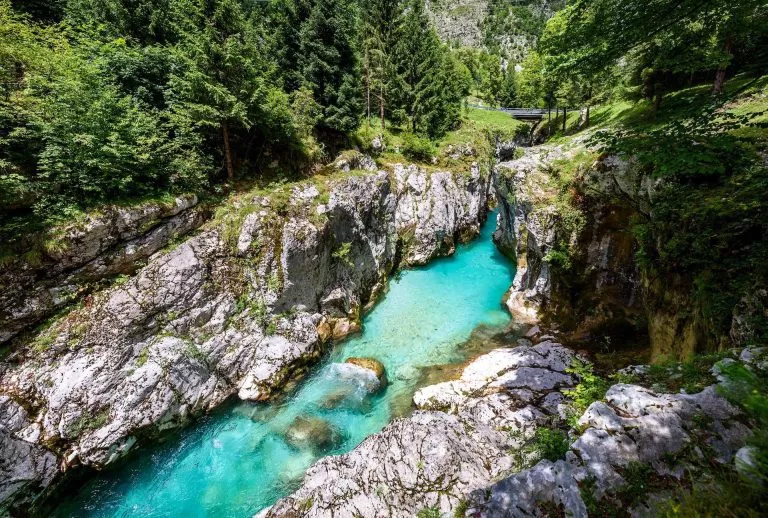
{"x":463,"y":445}
{"x":632,"y":425}
{"x":24,"y":465}
{"x":107,"y":244}
{"x":435,"y":458}
{"x":236,"y":309}
{"x":525,"y":229}
{"x":529,"y":227}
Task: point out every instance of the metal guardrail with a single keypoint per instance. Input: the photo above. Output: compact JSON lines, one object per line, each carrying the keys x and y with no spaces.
{"x":517,"y":113}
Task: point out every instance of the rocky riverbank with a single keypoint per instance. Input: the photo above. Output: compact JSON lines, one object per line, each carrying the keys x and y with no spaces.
{"x":237,"y":309}
{"x":576,"y":267}
{"x":472,"y":447}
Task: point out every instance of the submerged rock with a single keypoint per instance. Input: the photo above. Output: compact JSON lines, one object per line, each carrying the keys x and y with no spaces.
{"x":308,"y":432}
{"x":372,"y":365}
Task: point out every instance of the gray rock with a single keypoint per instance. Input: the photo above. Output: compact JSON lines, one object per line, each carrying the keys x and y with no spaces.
{"x":25,"y":467}
{"x":434,"y":458}
{"x":112,"y":242}
{"x":307,"y":432}
{"x":632,"y":425}
{"x":233,"y":310}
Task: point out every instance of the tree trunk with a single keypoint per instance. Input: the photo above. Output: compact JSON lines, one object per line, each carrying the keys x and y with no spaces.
{"x":381,"y":104}
{"x":717,"y":87}
{"x":549,"y":118}
{"x":565,"y":114}
{"x":658,"y":95}
{"x":228,"y":152}
{"x":368,"y":96}
{"x":586,"y":119}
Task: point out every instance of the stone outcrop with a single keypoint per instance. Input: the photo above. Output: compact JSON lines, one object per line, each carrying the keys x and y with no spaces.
{"x":601,"y":285}
{"x":112,"y":242}
{"x":464,"y":452}
{"x":373,"y":366}
{"x":236,"y":309}
{"x":25,"y":467}
{"x":465,"y":22}
{"x":458,"y":441}
{"x":634,"y":426}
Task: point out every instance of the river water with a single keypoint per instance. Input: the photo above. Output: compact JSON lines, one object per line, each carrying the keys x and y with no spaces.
{"x":237,"y":461}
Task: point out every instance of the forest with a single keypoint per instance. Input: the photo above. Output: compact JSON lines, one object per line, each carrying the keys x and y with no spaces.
{"x":107,"y":100}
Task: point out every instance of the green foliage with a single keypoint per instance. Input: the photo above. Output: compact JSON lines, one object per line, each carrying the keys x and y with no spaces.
{"x":549,"y":444}
{"x":341,"y":254}
{"x":692,"y":375}
{"x":71,"y":138}
{"x":591,"y":388}
{"x":417,"y":148}
{"x":328,"y":63}
{"x":694,"y":144}
{"x":518,"y":22}
{"x":590,"y":35}
{"x":193,"y":351}
{"x":141,"y":360}
{"x":87,"y":422}
{"x":429,"y":512}
{"x":559,"y":260}
{"x":431,"y":82}
{"x":748,"y":389}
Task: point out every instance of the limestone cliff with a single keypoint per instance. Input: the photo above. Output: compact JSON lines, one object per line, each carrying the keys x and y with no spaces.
{"x":78,"y":256}
{"x":236,"y":309}
{"x":575,"y":265}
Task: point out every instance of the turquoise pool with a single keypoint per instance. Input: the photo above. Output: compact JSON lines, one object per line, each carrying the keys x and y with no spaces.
{"x":237,"y":461}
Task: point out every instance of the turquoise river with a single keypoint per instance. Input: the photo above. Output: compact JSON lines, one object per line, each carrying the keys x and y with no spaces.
{"x":236,"y":461}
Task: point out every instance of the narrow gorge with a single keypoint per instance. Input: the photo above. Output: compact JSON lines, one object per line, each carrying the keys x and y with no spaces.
{"x":383,"y":258}
{"x":285,"y":302}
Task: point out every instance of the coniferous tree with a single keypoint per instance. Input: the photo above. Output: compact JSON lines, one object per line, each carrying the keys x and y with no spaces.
{"x":508,"y":97}
{"x":380,"y":20}
{"x":225,"y":84}
{"x":328,"y":62}
{"x":427,"y":92}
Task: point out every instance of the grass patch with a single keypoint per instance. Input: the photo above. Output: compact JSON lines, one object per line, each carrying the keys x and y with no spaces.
{"x":692,"y":375}
{"x":550,"y":444}
{"x":88,"y":422}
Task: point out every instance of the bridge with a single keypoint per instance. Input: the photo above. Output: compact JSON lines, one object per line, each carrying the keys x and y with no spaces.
{"x":524,"y":114}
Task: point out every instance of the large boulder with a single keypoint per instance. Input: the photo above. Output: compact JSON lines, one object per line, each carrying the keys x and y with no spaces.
{"x":373,"y":365}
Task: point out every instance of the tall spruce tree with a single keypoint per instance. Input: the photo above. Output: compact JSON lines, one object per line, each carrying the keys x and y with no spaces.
{"x":430,"y":93}
{"x":225,"y":83}
{"x":380,"y":20}
{"x":328,"y":62}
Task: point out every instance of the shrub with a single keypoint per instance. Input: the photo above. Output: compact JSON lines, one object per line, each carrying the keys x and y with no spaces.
{"x":591,"y":388}
{"x":341,"y":254}
{"x":417,"y":148}
{"x":549,"y":444}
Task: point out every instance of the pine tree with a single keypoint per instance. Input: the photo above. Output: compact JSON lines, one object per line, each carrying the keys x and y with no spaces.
{"x":430,"y":92}
{"x":380,"y":20}
{"x":508,"y":96}
{"x":225,"y":84}
{"x":328,"y":62}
